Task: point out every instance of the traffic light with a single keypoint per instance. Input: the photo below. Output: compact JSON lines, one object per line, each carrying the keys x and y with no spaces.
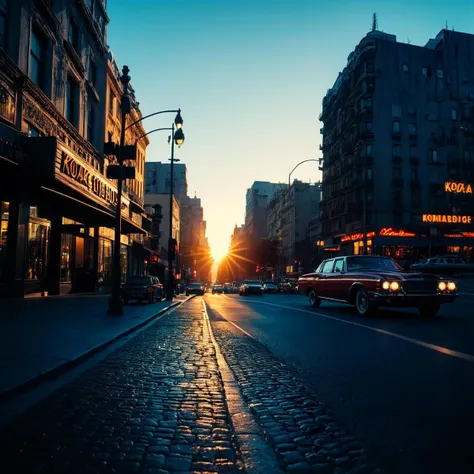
{"x":257,"y":269}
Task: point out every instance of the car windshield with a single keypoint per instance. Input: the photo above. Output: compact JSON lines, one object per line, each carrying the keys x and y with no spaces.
{"x":251,"y":282}
{"x":138,"y":281}
{"x":194,"y":285}
{"x":372,"y":263}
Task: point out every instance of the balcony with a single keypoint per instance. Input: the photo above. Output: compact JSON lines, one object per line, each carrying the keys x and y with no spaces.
{"x":396,"y":135}
{"x":397,"y":160}
{"x":414,"y":160}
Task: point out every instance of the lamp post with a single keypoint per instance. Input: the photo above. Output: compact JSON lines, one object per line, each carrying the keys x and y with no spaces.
{"x":319,"y":160}
{"x":115,"y":301}
{"x":178,"y":138}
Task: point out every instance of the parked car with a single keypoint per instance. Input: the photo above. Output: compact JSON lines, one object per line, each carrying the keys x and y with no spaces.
{"x":289,"y":286}
{"x":251,"y":287}
{"x":444,"y":266}
{"x":370,"y":282}
{"x":236,"y":286}
{"x":195,"y":289}
{"x":219,"y":289}
{"x":227,"y":288}
{"x":142,"y":288}
{"x":270,"y":287}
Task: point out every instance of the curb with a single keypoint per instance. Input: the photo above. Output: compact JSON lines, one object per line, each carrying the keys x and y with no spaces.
{"x":65,"y":366}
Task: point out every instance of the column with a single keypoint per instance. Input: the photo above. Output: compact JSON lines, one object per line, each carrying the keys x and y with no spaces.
{"x":12,"y":289}
{"x":54,"y":255}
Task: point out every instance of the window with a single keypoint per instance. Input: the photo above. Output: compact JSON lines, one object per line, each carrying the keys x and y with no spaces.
{"x":405,"y":67}
{"x":365,"y":103}
{"x":413,"y":152}
{"x":33,"y":131}
{"x":439,"y":74}
{"x":91,"y":125}
{"x":433,"y":156}
{"x":368,"y":150}
{"x":368,"y":127}
{"x":369,"y":67}
{"x":70,"y":101}
{"x":339,"y":265}
{"x":92,"y":72}
{"x":36,"y":58}
{"x":363,"y":87}
{"x":412,"y":129}
{"x":111,"y":102}
{"x":369,"y":174}
{"x":424,"y":71}
{"x":396,"y":127}
{"x":397,"y":172}
{"x":73,"y":35}
{"x":396,"y":150}
{"x":454,"y":114}
{"x":327,"y":266}
{"x":396,"y":111}
{"x":411,"y":111}
{"x":414,"y":174}
{"x":3,"y":23}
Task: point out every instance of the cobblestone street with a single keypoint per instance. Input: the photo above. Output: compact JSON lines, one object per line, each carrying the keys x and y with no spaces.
{"x":155,"y":405}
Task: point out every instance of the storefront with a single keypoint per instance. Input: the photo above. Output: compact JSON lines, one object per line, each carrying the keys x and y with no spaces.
{"x":60,"y":237}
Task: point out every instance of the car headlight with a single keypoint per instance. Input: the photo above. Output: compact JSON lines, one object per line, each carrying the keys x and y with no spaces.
{"x":386,"y":285}
{"x":442,"y":286}
{"x":394,"y":286}
{"x":452,"y":286}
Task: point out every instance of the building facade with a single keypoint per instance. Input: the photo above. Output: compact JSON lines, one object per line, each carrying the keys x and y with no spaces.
{"x":288,"y":216}
{"x":158,"y":178}
{"x":257,"y":198}
{"x":398,"y":126}
{"x":57,"y":208}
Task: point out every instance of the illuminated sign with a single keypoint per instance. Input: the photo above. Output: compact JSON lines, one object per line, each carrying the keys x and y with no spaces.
{"x":446,"y":219}
{"x":320,"y":243}
{"x":355,"y":237}
{"x":332,"y":249}
{"x":460,"y":188}
{"x":459,"y":236}
{"x":388,"y":231}
{"x":154,"y":258}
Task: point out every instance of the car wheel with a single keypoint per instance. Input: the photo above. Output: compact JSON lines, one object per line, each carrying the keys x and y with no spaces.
{"x":314,"y":301}
{"x":429,"y":311}
{"x":362,"y":302}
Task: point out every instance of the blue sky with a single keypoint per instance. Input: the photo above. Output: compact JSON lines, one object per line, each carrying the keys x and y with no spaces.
{"x":249,"y":77}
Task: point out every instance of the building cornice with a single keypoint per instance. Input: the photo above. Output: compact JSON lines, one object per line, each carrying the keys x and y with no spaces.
{"x":100,"y":39}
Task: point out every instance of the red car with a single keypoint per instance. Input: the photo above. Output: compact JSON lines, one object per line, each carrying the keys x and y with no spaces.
{"x":370,"y":282}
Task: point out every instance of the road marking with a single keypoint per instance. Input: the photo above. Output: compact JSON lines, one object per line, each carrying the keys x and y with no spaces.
{"x":434,"y":347}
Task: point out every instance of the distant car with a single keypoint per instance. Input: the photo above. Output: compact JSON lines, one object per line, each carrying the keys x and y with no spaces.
{"x":236,"y":286}
{"x":270,"y":287}
{"x":195,"y":289}
{"x":217,"y":289}
{"x":142,"y":288}
{"x":368,"y":282}
{"x":444,"y":266}
{"x":251,"y":287}
{"x":227,"y":288}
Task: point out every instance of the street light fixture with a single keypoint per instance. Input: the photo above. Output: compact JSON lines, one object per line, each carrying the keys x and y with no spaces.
{"x":115,"y":301}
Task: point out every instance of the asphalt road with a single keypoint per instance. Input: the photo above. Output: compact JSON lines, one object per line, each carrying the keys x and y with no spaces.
{"x":403,"y":383}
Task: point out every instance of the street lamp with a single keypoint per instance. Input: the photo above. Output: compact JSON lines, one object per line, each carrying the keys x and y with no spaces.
{"x":115,"y":301}
{"x":178,"y":138}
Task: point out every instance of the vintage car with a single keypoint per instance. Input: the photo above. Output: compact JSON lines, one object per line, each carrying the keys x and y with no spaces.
{"x":270,"y":287}
{"x":444,"y":266}
{"x":251,"y":287}
{"x":368,"y":282}
{"x":217,"y":289}
{"x":195,"y":289}
{"x":142,"y":288}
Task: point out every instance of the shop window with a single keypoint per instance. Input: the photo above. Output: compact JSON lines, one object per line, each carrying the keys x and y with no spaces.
{"x":105,"y":260}
{"x":35,"y":268}
{"x":4,"y":214}
{"x":67,"y":251}
{"x":3,"y":23}
{"x":37,"y":58}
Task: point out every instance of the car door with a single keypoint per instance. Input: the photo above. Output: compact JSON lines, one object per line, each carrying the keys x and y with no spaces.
{"x":335,"y":279}
{"x":322,"y":282}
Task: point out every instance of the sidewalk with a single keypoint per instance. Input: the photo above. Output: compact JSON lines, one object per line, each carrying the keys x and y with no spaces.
{"x":41,"y":335}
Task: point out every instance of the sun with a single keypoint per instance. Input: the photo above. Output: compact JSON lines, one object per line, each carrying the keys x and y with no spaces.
{"x":218,"y":254}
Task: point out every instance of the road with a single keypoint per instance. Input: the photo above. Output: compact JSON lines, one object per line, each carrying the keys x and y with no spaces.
{"x":403,"y":383}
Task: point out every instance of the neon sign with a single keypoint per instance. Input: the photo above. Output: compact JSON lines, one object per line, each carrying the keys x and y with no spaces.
{"x":446,"y":219}
{"x":459,"y":236}
{"x":460,"y":188}
{"x":388,"y":231}
{"x":355,"y":237}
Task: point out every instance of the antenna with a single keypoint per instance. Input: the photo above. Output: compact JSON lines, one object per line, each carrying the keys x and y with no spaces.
{"x":375,"y":24}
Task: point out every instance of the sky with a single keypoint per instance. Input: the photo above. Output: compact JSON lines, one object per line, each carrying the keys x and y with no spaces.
{"x":249,"y":77}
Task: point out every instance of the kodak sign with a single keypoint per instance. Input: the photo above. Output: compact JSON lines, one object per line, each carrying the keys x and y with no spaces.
{"x":445,"y":219}
{"x":459,"y":188}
